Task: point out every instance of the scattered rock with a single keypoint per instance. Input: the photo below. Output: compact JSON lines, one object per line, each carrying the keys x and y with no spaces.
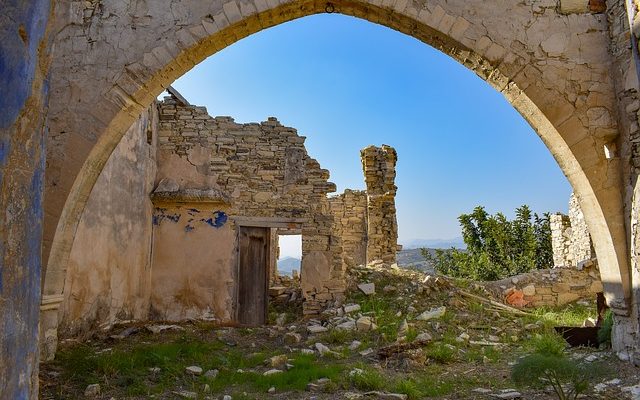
{"x":403,"y":328}
{"x":160,"y":328}
{"x":347,"y":325}
{"x":272,"y":372}
{"x":194,"y":370}
{"x":432,"y":314}
{"x":367,"y":288}
{"x":387,"y":396}
{"x":126,"y":333}
{"x":186,"y":394}
{"x":271,"y":390}
{"x":227,"y":397}
{"x":424,"y":337}
{"x":350,"y":308}
{"x":275,"y":291}
{"x":354,"y":345}
{"x":212,"y":373}
{"x":389,"y":289}
{"x":366,"y":352}
{"x":154,"y":370}
{"x":481,"y":390}
{"x":291,"y":338}
{"x":316,"y":329}
{"x":278,"y":361}
{"x":92,"y":390}
{"x":322,"y":349}
{"x":464,"y":336}
{"x":365,"y":324}
{"x":508,"y":394}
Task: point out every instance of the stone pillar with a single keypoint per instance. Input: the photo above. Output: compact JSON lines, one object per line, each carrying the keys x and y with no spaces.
{"x":379,"y":167}
{"x":23,"y":67}
{"x":581,"y":244}
{"x":561,"y":240}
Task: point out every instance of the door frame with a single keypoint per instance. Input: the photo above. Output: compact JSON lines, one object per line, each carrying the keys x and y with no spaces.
{"x":259,"y":222}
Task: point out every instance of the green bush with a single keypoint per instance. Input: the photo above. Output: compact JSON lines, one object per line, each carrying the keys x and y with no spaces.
{"x":567,"y":377}
{"x":496,"y":247}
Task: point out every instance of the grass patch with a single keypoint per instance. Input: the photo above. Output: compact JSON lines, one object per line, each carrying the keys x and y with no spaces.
{"x":549,"y":344}
{"x":367,"y":379}
{"x":441,"y":352}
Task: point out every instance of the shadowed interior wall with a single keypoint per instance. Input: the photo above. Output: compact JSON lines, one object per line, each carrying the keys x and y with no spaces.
{"x":109,"y":268}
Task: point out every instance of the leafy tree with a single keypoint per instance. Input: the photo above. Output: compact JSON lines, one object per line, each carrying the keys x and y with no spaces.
{"x":496,"y":247}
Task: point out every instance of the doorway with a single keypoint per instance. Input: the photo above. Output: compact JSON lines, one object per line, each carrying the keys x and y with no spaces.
{"x":254,"y":248}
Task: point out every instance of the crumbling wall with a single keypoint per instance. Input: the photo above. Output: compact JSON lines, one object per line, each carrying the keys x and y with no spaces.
{"x":561,"y":239}
{"x":109,"y":271}
{"x":260,"y":172}
{"x":570,"y":238}
{"x":350,"y":215}
{"x":551,"y":287}
{"x":378,"y":164}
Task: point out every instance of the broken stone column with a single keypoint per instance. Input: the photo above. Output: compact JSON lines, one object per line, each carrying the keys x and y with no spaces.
{"x":570,"y":238}
{"x":379,"y":167}
{"x":561,"y":239}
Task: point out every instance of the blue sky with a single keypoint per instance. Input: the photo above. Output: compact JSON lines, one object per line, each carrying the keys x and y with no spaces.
{"x":346,"y":83}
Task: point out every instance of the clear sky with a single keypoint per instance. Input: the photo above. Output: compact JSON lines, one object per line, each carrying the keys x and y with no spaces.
{"x":345,"y":83}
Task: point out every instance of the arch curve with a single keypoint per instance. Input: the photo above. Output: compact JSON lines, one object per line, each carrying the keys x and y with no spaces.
{"x":119,"y":65}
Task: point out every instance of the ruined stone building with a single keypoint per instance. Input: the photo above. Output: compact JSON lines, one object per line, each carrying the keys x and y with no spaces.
{"x":183,"y":222}
{"x":76,"y":75}
{"x":570,"y":238}
{"x":366,"y":220}
{"x":202,"y":245}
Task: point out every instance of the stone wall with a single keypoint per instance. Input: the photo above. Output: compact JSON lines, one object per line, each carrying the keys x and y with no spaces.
{"x":552,"y":287}
{"x":109,"y":272}
{"x":350,"y":215}
{"x":379,"y":167}
{"x":570,"y":238}
{"x":261,"y":172}
{"x":561,"y":239}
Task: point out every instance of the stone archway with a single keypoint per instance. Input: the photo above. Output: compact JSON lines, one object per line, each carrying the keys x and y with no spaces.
{"x":113,"y":58}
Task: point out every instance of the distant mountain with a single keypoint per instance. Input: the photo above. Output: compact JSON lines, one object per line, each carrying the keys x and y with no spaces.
{"x":288,"y":264}
{"x":457,"y":243}
{"x":413,"y":258}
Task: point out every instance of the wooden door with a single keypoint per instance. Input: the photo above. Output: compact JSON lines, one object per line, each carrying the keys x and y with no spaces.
{"x":253,"y":276}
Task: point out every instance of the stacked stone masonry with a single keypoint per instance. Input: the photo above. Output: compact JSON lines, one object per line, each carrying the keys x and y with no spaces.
{"x":569,"y":66}
{"x":379,"y":167}
{"x":265,"y":171}
{"x":350,"y":223}
{"x":549,"y":288}
{"x":570,"y":238}
{"x":200,"y":178}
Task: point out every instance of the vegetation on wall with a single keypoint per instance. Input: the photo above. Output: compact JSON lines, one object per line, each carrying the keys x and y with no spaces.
{"x":497,"y":247}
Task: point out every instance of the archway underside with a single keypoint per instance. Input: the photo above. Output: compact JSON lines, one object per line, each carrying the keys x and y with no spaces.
{"x":563,"y":117}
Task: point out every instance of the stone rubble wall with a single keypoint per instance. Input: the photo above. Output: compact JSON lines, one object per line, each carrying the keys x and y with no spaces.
{"x":350,"y":215}
{"x":570,"y":238}
{"x":379,"y":167}
{"x":561,"y":239}
{"x":551,"y":287}
{"x":264,"y":171}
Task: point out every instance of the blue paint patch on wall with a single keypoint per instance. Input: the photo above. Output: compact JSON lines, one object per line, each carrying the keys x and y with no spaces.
{"x":19,"y":54}
{"x":160,"y":215}
{"x":218,"y":220}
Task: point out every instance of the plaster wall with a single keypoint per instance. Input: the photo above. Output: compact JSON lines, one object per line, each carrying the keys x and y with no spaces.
{"x":109,"y":268}
{"x":194,"y":263}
